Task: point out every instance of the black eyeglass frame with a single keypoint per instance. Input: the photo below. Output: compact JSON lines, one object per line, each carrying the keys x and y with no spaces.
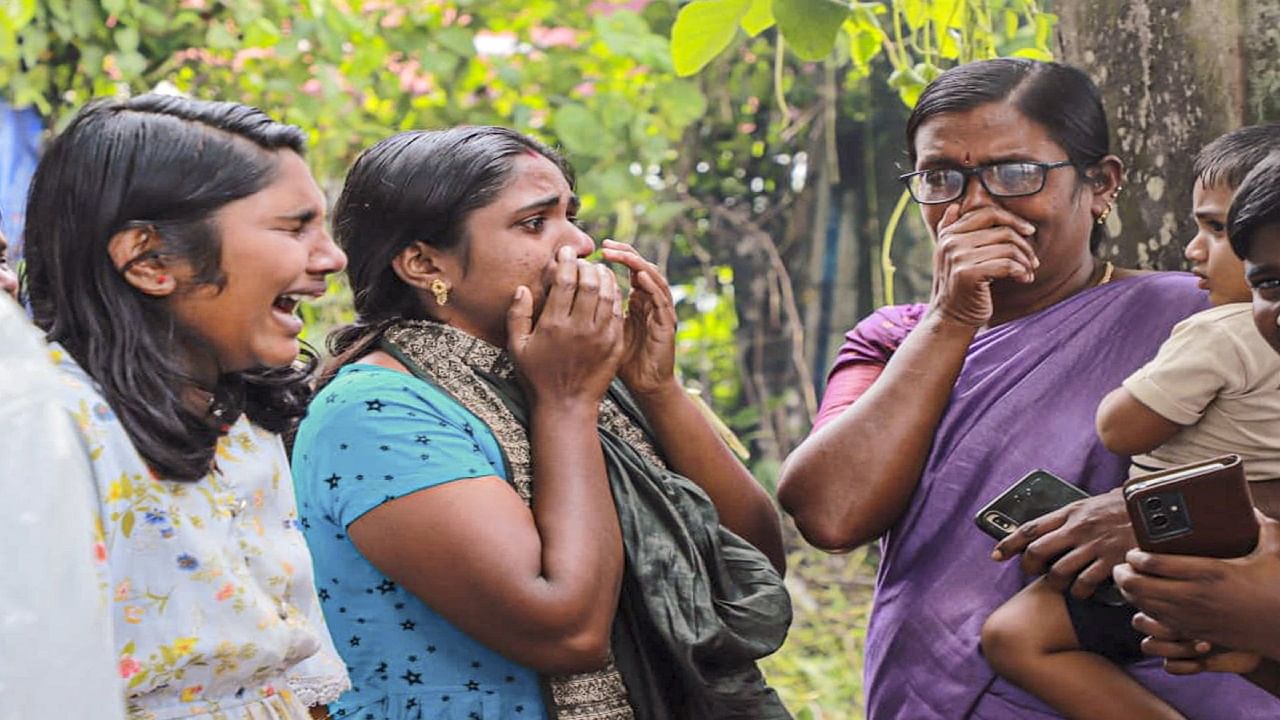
{"x":967,"y":173}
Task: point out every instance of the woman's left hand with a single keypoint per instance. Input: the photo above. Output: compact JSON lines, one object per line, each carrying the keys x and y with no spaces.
{"x":648,"y":360}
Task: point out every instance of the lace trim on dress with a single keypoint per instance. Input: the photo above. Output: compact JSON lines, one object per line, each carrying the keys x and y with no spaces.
{"x":319,"y":690}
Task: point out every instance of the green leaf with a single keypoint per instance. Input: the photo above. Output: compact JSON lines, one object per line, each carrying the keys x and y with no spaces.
{"x":113,"y":7}
{"x":580,"y":131}
{"x":703,"y":29}
{"x":1044,"y":28}
{"x":681,"y":102}
{"x":864,"y":46}
{"x":456,"y":39}
{"x":219,"y":37}
{"x":1032,"y":53}
{"x":915,"y":12}
{"x":126,"y":523}
{"x":127,"y":39}
{"x":759,"y":17}
{"x":810,"y":26}
{"x":1010,"y":24}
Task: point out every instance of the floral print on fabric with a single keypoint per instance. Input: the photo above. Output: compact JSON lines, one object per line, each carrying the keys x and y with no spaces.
{"x":214,"y":609}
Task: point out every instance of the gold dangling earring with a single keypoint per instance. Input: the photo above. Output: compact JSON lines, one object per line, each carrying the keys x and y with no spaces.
{"x":440,"y":289}
{"x":1102,"y":216}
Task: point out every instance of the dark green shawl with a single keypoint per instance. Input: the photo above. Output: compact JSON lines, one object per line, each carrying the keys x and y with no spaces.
{"x":699,"y":605}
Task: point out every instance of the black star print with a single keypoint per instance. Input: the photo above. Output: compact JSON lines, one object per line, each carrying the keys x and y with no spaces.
{"x":386,"y":586}
{"x":399,"y":606}
{"x":412,"y":677}
{"x":322,"y":594}
{"x":422,"y":440}
{"x":388,"y":498}
{"x":468,"y":430}
{"x":342,"y":609}
{"x":359,"y":477}
{"x":413,"y":658}
{"x":475,"y":664}
{"x":444,"y":698}
{"x":388,"y":477}
{"x":373,"y":405}
{"x":355,"y":640}
{"x":411,"y":703}
{"x":331,"y":400}
{"x":382,"y":667}
{"x":306,"y":524}
{"x":424,"y":456}
{"x":343,"y":446}
{"x":474,"y":716}
{"x":332,"y":480}
{"x":473,"y":686}
{"x":431,"y":648}
{"x":408,"y":625}
{"x":519,"y":708}
{"x":510,"y":678}
{"x":384,"y":448}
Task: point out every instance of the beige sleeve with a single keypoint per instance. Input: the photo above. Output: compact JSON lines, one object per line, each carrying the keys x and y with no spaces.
{"x":1188,"y":372}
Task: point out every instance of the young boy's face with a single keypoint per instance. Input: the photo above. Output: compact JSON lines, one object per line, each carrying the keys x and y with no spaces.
{"x":1219,"y":270}
{"x":1262,"y":267}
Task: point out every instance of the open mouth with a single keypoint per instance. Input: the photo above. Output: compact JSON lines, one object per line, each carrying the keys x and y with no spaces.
{"x":286,"y":303}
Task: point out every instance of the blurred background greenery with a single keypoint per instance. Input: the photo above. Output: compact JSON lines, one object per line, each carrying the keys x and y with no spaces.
{"x":750,"y":146}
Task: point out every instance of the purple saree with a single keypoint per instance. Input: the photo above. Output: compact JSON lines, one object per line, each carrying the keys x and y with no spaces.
{"x":1025,"y":399}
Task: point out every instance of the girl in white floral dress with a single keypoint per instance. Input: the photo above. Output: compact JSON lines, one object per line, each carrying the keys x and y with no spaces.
{"x":168,"y":244}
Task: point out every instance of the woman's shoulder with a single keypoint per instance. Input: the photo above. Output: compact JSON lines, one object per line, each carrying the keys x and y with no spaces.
{"x":879,"y":334}
{"x":362,"y":393}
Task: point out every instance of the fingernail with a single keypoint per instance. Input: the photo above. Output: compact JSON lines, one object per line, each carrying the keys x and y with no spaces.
{"x":997,"y":555}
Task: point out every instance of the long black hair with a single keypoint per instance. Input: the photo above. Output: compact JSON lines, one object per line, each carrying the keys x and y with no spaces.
{"x":167,"y":164}
{"x":417,"y":186}
{"x":1060,"y":98}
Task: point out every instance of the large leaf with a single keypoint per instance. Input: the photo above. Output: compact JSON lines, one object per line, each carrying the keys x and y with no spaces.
{"x":703,"y":29}
{"x":580,"y":131}
{"x":759,"y":17}
{"x":810,"y":26}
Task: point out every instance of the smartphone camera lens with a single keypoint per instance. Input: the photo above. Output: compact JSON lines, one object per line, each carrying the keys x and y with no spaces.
{"x":1153,"y":503}
{"x":1159,"y":522}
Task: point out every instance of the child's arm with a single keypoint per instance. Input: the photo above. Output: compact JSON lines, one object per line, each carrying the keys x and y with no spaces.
{"x":1127,"y":427}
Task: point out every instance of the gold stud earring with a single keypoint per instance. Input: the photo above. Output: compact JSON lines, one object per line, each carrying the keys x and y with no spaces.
{"x":440,"y":289}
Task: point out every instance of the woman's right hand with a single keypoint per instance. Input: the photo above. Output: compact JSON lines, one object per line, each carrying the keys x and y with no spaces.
{"x":573,"y":350}
{"x":975,"y":249}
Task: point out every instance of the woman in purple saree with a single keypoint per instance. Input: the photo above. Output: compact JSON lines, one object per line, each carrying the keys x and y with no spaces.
{"x":942,"y":407}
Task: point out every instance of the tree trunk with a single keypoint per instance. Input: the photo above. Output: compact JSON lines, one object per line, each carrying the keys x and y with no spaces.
{"x":1174,"y":75}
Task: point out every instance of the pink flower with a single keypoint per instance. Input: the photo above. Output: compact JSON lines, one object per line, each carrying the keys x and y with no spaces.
{"x":129,"y":667}
{"x":225,"y":592}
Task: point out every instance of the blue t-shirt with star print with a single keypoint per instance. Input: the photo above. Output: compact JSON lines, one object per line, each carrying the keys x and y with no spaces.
{"x":373,"y":435}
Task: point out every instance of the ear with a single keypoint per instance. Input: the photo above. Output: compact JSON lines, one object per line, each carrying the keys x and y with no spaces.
{"x":419,"y":264}
{"x":136,"y":254}
{"x":1105,"y":179}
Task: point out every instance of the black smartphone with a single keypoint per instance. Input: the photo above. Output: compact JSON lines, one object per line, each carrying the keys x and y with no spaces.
{"x":1040,"y":492}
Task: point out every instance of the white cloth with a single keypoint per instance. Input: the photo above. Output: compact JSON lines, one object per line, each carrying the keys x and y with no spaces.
{"x":1216,"y":376}
{"x":56,"y":654}
{"x":214,"y":608}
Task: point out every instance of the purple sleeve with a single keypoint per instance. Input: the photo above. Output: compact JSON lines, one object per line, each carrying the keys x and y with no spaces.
{"x":867,"y":347}
{"x":877,"y":336}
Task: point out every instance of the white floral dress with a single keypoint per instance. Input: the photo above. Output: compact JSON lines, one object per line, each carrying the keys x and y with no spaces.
{"x":214,"y":609}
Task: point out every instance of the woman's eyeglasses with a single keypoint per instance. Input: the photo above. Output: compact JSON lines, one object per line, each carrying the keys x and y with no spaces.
{"x":1006,"y":179}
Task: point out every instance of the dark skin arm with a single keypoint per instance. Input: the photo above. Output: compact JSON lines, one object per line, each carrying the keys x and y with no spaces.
{"x":1191,"y":657}
{"x":539,"y":586}
{"x":690,"y":443}
{"x":841,"y":486}
{"x":1127,"y":427}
